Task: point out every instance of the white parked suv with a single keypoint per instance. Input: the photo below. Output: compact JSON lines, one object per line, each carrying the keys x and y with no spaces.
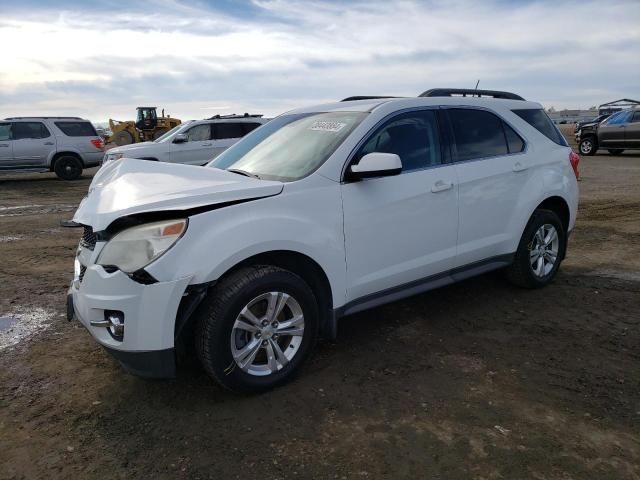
{"x":194,"y":142}
{"x":323,"y":212}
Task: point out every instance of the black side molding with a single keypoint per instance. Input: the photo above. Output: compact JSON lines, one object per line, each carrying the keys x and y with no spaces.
{"x":423,"y":285}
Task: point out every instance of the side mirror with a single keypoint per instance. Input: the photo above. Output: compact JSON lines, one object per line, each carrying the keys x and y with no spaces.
{"x":377,"y":165}
{"x":180,"y":138}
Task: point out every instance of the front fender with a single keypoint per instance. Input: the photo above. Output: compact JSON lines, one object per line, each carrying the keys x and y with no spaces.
{"x":218,"y":240}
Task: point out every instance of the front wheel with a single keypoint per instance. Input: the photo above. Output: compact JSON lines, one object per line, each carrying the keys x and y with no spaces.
{"x":541,"y":249}
{"x":256,"y":328}
{"x":616,"y":151}
{"x":588,"y":146}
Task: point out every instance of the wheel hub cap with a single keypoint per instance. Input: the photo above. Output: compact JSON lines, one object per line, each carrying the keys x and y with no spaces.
{"x":267,"y":333}
{"x":543,"y":250}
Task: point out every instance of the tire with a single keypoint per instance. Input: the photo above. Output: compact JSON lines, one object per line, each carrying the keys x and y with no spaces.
{"x":588,"y":146}
{"x":218,"y":337}
{"x":158,"y":133}
{"x":522,"y":272}
{"x":123,"y":137}
{"x":616,"y":151}
{"x":68,"y":168}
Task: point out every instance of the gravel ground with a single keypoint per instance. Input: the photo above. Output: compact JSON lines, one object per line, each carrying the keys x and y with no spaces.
{"x":476,"y":380}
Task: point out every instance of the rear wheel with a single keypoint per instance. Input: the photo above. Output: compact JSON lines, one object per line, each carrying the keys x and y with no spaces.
{"x":257,"y":328}
{"x":541,"y":249}
{"x":588,"y":146}
{"x":123,"y":137}
{"x":68,"y":168}
{"x":616,"y":151}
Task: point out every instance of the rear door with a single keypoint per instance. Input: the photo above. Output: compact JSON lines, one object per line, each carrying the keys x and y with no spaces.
{"x":492,"y":168}
{"x":632,"y":131}
{"x":197,"y":150}
{"x":32,"y":143}
{"x":226,"y":134}
{"x":611,"y":133}
{"x":6,"y":145}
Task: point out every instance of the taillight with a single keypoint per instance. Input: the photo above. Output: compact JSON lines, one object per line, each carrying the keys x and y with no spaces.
{"x":574,"y":158}
{"x":98,"y":143}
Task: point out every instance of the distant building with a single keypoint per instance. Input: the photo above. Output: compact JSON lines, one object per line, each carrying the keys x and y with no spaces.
{"x":573,"y":116}
{"x":617,"y":105}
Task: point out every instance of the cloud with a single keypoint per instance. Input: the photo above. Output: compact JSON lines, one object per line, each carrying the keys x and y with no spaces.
{"x":272,"y":55}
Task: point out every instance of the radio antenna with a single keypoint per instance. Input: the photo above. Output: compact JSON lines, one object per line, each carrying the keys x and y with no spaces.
{"x":477,"y":83}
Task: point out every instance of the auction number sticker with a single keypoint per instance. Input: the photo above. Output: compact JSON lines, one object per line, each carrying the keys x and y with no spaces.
{"x":327,"y":126}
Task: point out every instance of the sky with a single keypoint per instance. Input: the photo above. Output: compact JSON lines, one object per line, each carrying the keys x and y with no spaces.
{"x":101,"y":59}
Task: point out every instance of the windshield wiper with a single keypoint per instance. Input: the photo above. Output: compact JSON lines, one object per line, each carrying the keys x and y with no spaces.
{"x":243,"y":172}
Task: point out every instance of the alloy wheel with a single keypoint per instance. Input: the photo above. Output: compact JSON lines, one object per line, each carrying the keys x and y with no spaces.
{"x":544,"y":250}
{"x":267,"y":333}
{"x":586,"y":146}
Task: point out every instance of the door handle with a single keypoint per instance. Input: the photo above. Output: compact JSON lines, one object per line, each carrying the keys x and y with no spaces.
{"x":207,"y":144}
{"x":49,"y":143}
{"x":3,"y":145}
{"x":519,"y":167}
{"x":441,"y":186}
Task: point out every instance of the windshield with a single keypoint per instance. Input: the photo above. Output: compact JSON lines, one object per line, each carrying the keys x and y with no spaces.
{"x":289,"y":147}
{"x":171,"y":132}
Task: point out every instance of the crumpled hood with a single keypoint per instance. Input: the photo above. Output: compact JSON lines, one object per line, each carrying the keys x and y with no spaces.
{"x":127,"y":186}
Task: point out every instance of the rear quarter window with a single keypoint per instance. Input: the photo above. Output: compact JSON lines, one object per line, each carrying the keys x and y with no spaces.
{"x":538,"y":119}
{"x":77,"y":129}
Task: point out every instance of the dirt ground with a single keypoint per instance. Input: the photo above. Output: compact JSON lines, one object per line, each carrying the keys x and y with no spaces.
{"x":477,"y":380}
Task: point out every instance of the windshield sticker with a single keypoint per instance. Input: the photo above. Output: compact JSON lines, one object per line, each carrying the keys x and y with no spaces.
{"x":327,"y":126}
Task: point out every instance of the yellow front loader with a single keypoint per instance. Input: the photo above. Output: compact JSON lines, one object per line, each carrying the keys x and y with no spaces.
{"x":148,"y":126}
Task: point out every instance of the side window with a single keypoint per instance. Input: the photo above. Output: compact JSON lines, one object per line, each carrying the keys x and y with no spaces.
{"x":199,"y":133}
{"x":538,"y":119}
{"x":77,"y":129}
{"x":636,"y":116}
{"x":514,"y":142}
{"x":618,"y":118}
{"x":477,"y":134}
{"x":21,"y":130}
{"x":228,"y":130}
{"x":412,"y":136}
{"x":5,"y":132}
{"x":249,"y":127}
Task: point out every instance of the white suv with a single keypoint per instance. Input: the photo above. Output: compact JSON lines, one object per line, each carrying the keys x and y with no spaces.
{"x":323,"y":212}
{"x":194,"y":142}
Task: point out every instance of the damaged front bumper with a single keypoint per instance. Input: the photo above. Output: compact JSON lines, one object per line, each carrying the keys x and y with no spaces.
{"x":147,"y":312}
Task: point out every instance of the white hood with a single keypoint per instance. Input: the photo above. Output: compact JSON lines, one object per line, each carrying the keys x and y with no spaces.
{"x":127,"y":186}
{"x":132,"y":147}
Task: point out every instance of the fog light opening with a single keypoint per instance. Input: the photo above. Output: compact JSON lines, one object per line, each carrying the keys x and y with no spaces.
{"x":116,"y":324}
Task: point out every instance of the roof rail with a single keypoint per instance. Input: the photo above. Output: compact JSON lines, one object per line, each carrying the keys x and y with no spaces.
{"x":364,"y":97}
{"x":233,"y":115}
{"x":48,"y":118}
{"x":470,"y":92}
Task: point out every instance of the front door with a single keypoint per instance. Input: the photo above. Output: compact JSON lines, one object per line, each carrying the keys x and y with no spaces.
{"x":6,"y":146}
{"x":400,"y":229}
{"x":32,"y":144}
{"x":611,"y":131}
{"x":197,"y":150}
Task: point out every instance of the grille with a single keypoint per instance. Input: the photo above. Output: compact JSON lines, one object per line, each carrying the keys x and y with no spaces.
{"x":88,"y":239}
{"x":83,"y":269}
